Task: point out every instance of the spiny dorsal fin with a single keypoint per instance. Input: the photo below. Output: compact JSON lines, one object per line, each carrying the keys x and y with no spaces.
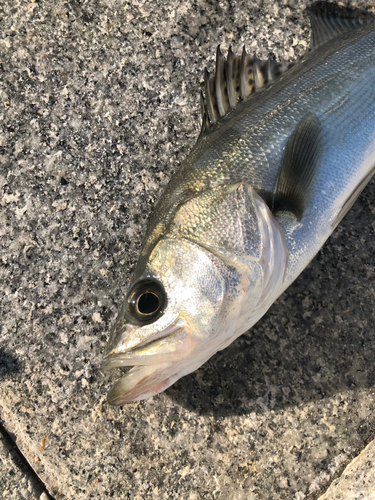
{"x":302,"y":157}
{"x":329,"y":20}
{"x":235,"y":78}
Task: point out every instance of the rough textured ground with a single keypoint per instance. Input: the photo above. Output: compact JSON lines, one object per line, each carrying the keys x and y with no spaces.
{"x":99,"y":106}
{"x":357,"y":481}
{"x":17,"y":478}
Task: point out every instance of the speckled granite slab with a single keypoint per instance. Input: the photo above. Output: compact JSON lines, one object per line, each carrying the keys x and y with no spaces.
{"x":99,"y":104}
{"x":358,"y":479}
{"x":17,"y":479}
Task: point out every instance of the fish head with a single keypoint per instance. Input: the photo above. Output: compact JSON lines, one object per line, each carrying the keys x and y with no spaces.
{"x":169,"y":312}
{"x":199,"y":289}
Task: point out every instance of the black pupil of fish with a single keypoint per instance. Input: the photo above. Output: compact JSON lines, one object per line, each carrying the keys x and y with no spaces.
{"x":148,"y":303}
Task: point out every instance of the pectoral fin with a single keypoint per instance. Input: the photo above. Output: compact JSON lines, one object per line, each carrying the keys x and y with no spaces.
{"x":302,"y":158}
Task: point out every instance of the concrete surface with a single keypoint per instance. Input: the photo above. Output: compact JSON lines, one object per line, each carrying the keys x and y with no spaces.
{"x":99,"y":106}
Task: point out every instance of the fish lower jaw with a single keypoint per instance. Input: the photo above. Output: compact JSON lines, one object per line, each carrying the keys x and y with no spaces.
{"x":146,"y":380}
{"x":111,"y":363}
{"x":141,"y":382}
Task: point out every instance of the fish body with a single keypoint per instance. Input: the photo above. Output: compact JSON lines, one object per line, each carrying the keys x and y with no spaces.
{"x":262,"y":190}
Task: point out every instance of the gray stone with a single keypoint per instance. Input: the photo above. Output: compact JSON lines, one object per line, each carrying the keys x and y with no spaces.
{"x":17,"y":480}
{"x":99,"y":106}
{"x":358,"y":479}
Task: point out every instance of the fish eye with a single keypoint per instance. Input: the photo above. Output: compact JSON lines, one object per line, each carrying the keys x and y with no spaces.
{"x":146,"y":301}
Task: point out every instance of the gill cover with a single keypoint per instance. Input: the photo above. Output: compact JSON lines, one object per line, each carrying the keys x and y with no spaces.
{"x":235,"y":224}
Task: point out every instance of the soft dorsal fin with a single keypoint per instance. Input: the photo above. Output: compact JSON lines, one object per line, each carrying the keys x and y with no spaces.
{"x":329,"y":20}
{"x":235,"y":78}
{"x":302,"y":157}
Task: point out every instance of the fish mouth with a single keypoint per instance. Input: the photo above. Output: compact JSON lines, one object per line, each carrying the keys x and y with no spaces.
{"x":154,"y":365}
{"x":148,"y":352}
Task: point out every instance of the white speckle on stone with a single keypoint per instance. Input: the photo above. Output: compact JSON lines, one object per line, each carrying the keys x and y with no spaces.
{"x":64,"y":338}
{"x":48,"y":309}
{"x":97,"y":318}
{"x":60,"y":205}
{"x":10,"y":198}
{"x":20,"y":212}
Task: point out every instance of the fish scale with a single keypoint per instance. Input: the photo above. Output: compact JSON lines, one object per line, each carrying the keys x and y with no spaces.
{"x":267,"y":182}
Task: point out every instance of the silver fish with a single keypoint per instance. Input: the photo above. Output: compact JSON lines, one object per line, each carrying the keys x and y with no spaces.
{"x":282,"y":156}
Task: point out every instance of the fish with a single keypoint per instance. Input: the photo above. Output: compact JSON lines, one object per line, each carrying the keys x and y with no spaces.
{"x":284,"y":151}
